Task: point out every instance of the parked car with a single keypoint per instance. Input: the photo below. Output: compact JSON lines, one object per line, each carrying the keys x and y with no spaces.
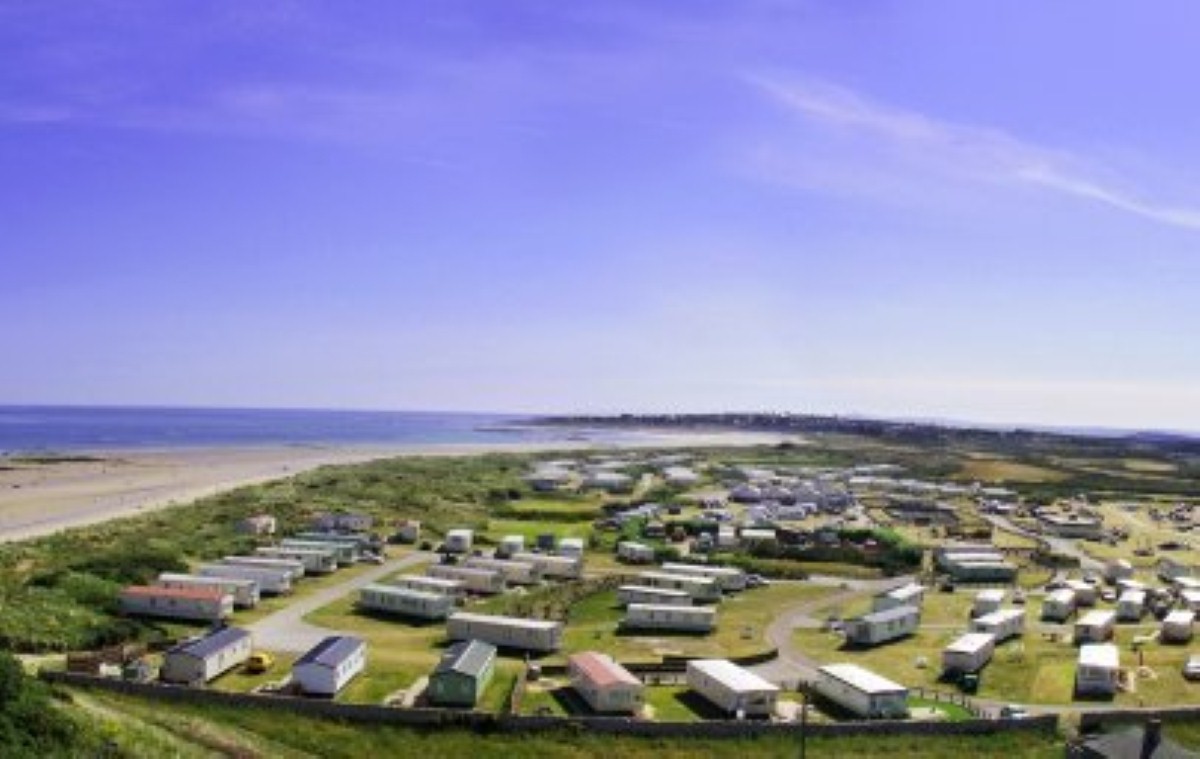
{"x":259,"y":662}
{"x":1013,"y":711}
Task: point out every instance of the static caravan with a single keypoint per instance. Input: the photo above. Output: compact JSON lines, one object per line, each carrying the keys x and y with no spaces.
{"x":408,"y":531}
{"x":200,"y":660}
{"x":1185,"y":582}
{"x":882,"y":626}
{"x":271,"y":581}
{"x":668,"y":617}
{"x":551,"y":566}
{"x":486,"y":581}
{"x":572,"y":548}
{"x":316,"y":561}
{"x":729,"y":578}
{"x":459,"y":541}
{"x":635,"y":553}
{"x":1098,"y":669}
{"x":1059,"y":605}
{"x":604,"y":684}
{"x":1190,"y":599}
{"x":727,"y":538}
{"x":1131,"y":606}
{"x":327,"y":667}
{"x":1096,"y":626}
{"x":753,"y":536}
{"x":462,"y":675}
{"x":640,"y":594}
{"x":359,"y":540}
{"x":513,"y":572}
{"x":731,"y":688}
{"x":982,"y":571}
{"x":699,"y":588}
{"x":196,"y":604}
{"x":969,"y":653}
{"x":1085,"y":593}
{"x":344,"y":551}
{"x":1177,"y":626}
{"x":245,"y":592}
{"x":1130,"y":584}
{"x":861,"y":691}
{"x":511,"y":544}
{"x":405,"y":601}
{"x":1117,"y":569}
{"x":1002,"y":624}
{"x":906,"y":595}
{"x":439,"y":585}
{"x":293,"y":567}
{"x":506,"y":632}
{"x":987,"y":601}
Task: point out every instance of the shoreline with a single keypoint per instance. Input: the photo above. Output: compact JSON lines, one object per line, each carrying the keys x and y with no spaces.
{"x":38,"y":499}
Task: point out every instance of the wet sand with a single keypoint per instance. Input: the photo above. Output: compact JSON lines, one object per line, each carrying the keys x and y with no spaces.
{"x":42,"y":498}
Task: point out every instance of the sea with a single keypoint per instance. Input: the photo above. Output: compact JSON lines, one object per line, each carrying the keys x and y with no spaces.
{"x":67,"y":429}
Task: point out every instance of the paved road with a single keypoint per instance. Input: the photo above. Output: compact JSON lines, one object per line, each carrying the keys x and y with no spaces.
{"x":1066,"y":546}
{"x":286,"y":630}
{"x":792,"y":664}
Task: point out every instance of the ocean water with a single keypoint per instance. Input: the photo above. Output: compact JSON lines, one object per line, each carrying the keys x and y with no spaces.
{"x":74,"y":429}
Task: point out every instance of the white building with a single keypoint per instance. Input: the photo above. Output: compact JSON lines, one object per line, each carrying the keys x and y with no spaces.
{"x":245,"y":592}
{"x":635,"y":553}
{"x":293,"y":567}
{"x":506,"y":632}
{"x":326,"y":668}
{"x":907,"y":595}
{"x":882,"y":626}
{"x":604,"y":684}
{"x":755,"y":536}
{"x":727,"y":538}
{"x":1001,"y":624}
{"x":511,"y":544}
{"x":572,"y":548}
{"x":345,"y":549}
{"x":459,"y":541}
{"x":610,"y":482}
{"x":640,"y":616}
{"x":486,"y":581}
{"x":699,"y":588}
{"x":196,"y":604}
{"x":551,"y":566}
{"x":1096,"y":626}
{"x":270,"y":580}
{"x":1085,"y":593}
{"x":968,"y":653}
{"x":1098,"y":669}
{"x":513,"y":572}
{"x":987,"y":601}
{"x":641,"y":594}
{"x":734,"y":690}
{"x":408,"y":602}
{"x":731,"y":579}
{"x":680,"y":476}
{"x":861,"y":691}
{"x":1177,"y":626}
{"x":1059,"y":605}
{"x":200,"y":660}
{"x":1190,"y":599}
{"x":439,"y":585}
{"x":315,"y":560}
{"x":1131,"y":606}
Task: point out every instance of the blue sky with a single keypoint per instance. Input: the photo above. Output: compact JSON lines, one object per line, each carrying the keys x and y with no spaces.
{"x":979,"y":211}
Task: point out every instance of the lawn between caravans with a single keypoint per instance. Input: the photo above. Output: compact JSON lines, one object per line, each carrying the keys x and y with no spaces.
{"x":1032,"y":669}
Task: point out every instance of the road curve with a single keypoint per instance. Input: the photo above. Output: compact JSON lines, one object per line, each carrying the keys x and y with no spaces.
{"x":286,"y":630}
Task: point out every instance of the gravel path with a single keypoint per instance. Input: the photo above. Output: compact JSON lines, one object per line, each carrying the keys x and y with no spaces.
{"x":286,"y":630}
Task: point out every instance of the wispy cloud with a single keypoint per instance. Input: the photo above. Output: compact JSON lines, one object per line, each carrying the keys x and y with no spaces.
{"x":912,"y":142}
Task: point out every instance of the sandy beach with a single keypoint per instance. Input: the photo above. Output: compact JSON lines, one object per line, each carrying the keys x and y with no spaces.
{"x":42,"y":498}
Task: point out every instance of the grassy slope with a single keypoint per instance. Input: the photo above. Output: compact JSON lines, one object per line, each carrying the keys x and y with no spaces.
{"x":149,"y":729}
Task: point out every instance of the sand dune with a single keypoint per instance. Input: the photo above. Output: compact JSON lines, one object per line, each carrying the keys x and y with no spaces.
{"x":38,"y":499}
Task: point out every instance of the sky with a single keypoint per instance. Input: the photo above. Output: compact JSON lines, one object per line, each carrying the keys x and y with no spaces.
{"x":977,"y":211}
